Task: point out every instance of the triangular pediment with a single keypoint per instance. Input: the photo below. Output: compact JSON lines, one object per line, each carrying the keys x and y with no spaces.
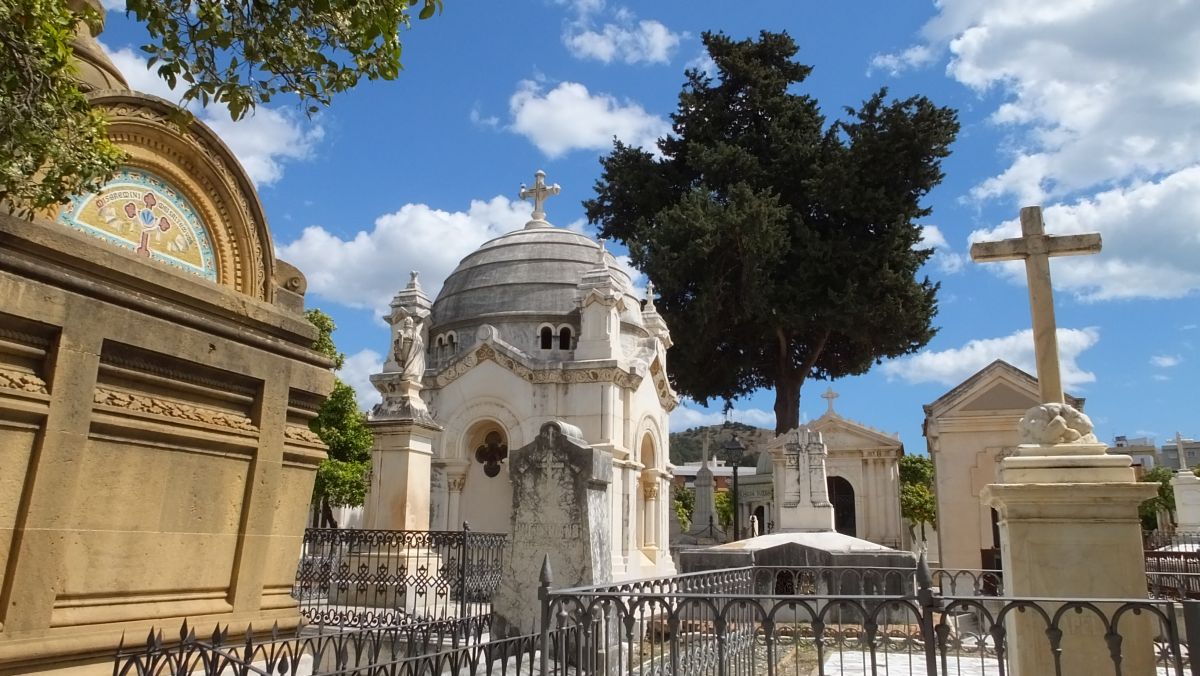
{"x":844,"y":434}
{"x":998,"y":387}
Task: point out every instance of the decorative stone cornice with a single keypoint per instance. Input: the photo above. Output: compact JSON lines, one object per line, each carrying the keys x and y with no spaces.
{"x":666,"y":395}
{"x":301,"y":433}
{"x":19,"y":380}
{"x":172,"y":409}
{"x":489,"y":352}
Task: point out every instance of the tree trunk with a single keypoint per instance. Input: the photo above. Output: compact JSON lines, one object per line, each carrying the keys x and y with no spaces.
{"x":787,"y":402}
{"x":327,"y":515}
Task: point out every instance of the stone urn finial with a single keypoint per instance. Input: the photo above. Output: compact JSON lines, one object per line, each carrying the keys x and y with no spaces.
{"x":96,"y":71}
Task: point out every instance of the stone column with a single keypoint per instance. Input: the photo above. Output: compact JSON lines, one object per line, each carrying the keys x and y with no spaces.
{"x":455,"y":486}
{"x":1069,"y":529}
{"x":1187,"y":500}
{"x":650,"y":492}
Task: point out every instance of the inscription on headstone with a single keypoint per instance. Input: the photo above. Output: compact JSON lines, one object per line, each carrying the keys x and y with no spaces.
{"x":560,"y":508}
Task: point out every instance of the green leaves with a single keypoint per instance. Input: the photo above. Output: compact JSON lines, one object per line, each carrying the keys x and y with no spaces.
{"x":917,"y":501}
{"x":242,"y":54}
{"x":342,"y":427}
{"x":782,"y":248}
{"x":52,"y":144}
{"x":1163,"y":502}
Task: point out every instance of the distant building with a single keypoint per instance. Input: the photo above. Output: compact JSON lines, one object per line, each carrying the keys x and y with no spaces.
{"x":1142,"y":450}
{"x":685,"y":474}
{"x":1180,"y":453}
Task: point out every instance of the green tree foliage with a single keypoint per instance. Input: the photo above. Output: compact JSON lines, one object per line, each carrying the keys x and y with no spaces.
{"x":787,"y":248}
{"x":683,"y":500}
{"x":1163,"y":502}
{"x":244,"y":53}
{"x":240,"y":54}
{"x":52,"y":144}
{"x":917,"y":502}
{"x":341,"y":477}
{"x":724,"y":505}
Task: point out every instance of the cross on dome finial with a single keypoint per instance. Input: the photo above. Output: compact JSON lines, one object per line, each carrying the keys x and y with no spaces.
{"x":650,"y":297}
{"x":538,"y":194}
{"x":829,"y":396}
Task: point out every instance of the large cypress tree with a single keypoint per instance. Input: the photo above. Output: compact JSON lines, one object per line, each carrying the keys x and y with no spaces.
{"x":783,"y":248}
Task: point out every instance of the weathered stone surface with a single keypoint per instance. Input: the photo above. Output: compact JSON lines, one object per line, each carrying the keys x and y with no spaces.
{"x":1187,"y":500}
{"x":560,"y":507}
{"x":156,"y":382}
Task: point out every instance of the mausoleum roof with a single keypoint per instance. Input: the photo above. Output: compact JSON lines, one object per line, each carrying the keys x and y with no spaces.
{"x":533,"y":272}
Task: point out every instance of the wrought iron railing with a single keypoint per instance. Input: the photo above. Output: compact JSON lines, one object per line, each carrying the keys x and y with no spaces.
{"x":734,"y":623}
{"x":1179,"y":540}
{"x":388,"y":578}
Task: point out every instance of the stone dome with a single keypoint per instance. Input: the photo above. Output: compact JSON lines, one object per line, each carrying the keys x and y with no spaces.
{"x":528,"y":274}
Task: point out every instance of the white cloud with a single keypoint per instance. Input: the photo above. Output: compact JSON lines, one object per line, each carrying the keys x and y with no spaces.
{"x":480,"y":120}
{"x":646,"y":41}
{"x":622,"y":37}
{"x":263,"y":141}
{"x":703,"y":63}
{"x":1098,"y":100}
{"x":952,"y":366}
{"x":1151,"y":236}
{"x":688,"y":415}
{"x":917,"y":56}
{"x":944,"y":258}
{"x":113,"y":5}
{"x":1161,"y":377}
{"x":356,"y":372}
{"x":1165,"y":361}
{"x":366,"y":270}
{"x":569,"y":117}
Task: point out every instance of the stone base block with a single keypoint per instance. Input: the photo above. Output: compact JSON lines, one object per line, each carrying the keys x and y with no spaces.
{"x":1073,"y":541}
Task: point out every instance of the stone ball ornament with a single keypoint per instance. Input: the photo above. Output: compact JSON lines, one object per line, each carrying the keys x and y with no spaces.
{"x":1054,"y":423}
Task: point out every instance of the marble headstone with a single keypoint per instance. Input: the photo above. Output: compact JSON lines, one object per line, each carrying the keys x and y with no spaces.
{"x":560,"y":508}
{"x":799,"y":474}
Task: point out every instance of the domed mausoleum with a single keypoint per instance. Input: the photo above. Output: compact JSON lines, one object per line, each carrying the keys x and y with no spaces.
{"x":541,"y":325}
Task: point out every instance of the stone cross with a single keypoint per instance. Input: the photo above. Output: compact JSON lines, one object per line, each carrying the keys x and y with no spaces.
{"x":1035,"y":247}
{"x":829,"y":396}
{"x":539,"y":193}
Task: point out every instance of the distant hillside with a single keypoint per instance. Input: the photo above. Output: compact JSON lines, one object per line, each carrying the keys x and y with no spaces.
{"x":686,"y":446}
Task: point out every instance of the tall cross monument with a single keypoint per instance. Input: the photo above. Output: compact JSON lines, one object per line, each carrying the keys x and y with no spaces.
{"x":1068,"y":510}
{"x":538,"y":194}
{"x":1035,"y":247}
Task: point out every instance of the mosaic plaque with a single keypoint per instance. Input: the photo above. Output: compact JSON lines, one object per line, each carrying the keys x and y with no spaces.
{"x":140,"y":211}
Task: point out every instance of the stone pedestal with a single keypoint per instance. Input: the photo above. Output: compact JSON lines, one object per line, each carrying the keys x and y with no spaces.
{"x":561,"y":510}
{"x":1187,"y":500}
{"x":1069,"y":527}
{"x":400,"y":481}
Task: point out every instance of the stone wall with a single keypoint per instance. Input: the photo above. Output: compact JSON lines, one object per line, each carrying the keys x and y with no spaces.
{"x":157,"y":461}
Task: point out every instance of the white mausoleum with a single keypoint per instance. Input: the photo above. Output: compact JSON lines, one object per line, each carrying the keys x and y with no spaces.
{"x":536,"y":325}
{"x":863,"y":481}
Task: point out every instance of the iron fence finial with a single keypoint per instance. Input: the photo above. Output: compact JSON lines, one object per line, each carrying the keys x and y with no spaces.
{"x":547,"y":574}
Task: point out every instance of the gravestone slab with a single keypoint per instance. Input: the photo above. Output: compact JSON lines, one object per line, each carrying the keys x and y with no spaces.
{"x":560,"y":508}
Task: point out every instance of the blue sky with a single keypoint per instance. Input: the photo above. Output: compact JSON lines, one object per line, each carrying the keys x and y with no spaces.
{"x":1090,"y":108}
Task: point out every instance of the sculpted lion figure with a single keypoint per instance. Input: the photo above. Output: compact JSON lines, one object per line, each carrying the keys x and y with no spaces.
{"x":1056,"y":424}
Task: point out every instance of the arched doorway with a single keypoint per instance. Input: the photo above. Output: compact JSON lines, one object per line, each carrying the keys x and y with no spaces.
{"x":760,"y":513}
{"x":841,"y":494}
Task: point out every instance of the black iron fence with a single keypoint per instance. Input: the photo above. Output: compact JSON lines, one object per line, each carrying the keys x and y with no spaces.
{"x":1173,"y":563}
{"x":388,"y":578}
{"x":740,"y":622}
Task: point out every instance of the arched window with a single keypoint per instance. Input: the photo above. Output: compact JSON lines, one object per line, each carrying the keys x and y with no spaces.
{"x":451,"y":342}
{"x":564,"y":338}
{"x":547,"y":338}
